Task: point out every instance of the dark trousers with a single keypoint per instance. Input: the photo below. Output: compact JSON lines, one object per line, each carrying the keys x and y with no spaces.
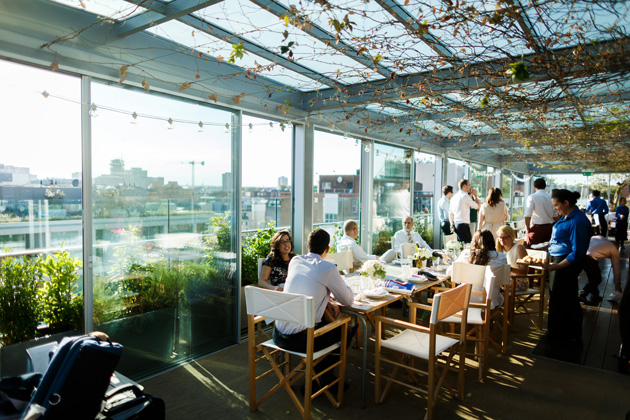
{"x":538,"y":234}
{"x":463,"y":232}
{"x":445,"y":225}
{"x":624,"y":321}
{"x":565,"y":313}
{"x":594,"y":275}
{"x":603,"y":224}
{"x":297,"y":342}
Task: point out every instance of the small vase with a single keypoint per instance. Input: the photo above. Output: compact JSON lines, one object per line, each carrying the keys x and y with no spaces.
{"x":424,"y":264}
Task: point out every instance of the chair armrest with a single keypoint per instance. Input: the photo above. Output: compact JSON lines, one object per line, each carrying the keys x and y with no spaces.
{"x":342,"y":319}
{"x":400,"y":324}
{"x":420,"y":306}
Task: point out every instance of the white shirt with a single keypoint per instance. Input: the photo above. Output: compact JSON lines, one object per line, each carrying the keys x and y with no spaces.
{"x":540,"y":208}
{"x":310,"y":275}
{"x":461,"y":203}
{"x":347,"y":242}
{"x":601,"y":247}
{"x":402,"y":237}
{"x":443,"y":207}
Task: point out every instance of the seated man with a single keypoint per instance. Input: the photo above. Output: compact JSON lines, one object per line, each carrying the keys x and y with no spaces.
{"x":406,"y":235}
{"x":599,"y":248}
{"x":348,"y":242}
{"x":310,"y":275}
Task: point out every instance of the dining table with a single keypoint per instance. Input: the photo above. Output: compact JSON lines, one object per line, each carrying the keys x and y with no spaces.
{"x":363,"y":306}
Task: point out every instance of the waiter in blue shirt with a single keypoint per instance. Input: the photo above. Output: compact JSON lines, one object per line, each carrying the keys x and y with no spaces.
{"x":598,"y":208}
{"x":569,"y":242}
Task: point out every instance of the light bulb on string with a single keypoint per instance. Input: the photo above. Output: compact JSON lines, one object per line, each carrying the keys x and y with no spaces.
{"x":93,"y":110}
{"x":200,"y":124}
{"x":289,"y":124}
{"x":45,"y":94}
{"x":227,"y":128}
{"x":270,"y":126}
{"x":251,"y":127}
{"x":367,"y":148}
{"x":170,"y":124}
{"x":345,"y":136}
{"x":134,"y":117}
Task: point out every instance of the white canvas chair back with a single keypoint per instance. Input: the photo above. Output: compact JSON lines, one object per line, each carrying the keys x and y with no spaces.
{"x":502,"y":273}
{"x":464,"y":272}
{"x":450,"y":302}
{"x":406,"y":250}
{"x":343,"y":260}
{"x":451,"y":237}
{"x":280,"y":306}
{"x":260,"y":266}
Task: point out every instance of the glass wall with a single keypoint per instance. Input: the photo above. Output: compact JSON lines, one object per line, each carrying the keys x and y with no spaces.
{"x":40,"y":206}
{"x":456,"y":171}
{"x":518,"y":204}
{"x":392,"y":196}
{"x":164,"y":255}
{"x":336,"y":182}
{"x":266,"y":169}
{"x":424,"y":195}
{"x":506,"y":189}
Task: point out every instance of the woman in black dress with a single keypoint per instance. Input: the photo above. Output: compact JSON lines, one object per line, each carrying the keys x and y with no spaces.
{"x":621,"y":232}
{"x":275,"y":267}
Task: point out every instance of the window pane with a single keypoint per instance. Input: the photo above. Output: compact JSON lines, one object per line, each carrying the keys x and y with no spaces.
{"x":392,"y":198}
{"x":336,"y":182}
{"x":424,"y":192}
{"x":164,"y":267}
{"x":40,"y":200}
{"x":266,"y":196}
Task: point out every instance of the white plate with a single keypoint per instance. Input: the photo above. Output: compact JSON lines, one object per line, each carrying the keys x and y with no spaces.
{"x":376,"y":293}
{"x":417,"y":279}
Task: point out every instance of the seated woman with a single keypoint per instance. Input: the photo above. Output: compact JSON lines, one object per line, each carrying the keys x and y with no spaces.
{"x":506,"y":243}
{"x":483,"y":252}
{"x":275,"y":267}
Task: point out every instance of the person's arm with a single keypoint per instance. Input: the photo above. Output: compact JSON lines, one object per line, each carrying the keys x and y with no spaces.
{"x":482,"y":217}
{"x":580,"y":235}
{"x":263,"y":280}
{"x":451,"y":215}
{"x":506,"y":213}
{"x":521,"y":253}
{"x":359,"y":254}
{"x":340,"y":290}
{"x":422,"y":243}
{"x":474,"y":202}
{"x":398,"y":241}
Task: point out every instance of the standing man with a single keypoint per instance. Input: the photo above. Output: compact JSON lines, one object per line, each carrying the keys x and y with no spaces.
{"x":310,"y":275}
{"x":443,"y":207}
{"x":459,"y":210}
{"x":599,"y":248}
{"x":539,"y":215}
{"x":348,"y":241}
{"x":598,"y":208}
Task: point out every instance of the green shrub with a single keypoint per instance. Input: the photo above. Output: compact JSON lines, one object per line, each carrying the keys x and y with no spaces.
{"x":255,"y":247}
{"x":61,"y":304}
{"x":19,"y":307}
{"x":382,"y":241}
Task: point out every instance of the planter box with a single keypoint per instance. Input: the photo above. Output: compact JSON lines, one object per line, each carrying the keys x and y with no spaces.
{"x":149,"y":341}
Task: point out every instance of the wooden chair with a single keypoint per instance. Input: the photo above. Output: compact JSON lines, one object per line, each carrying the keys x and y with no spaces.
{"x":482,"y":280}
{"x":426,"y":344}
{"x":298,"y":309}
{"x":344,"y":260}
{"x":535,"y":294}
{"x":500,"y":314}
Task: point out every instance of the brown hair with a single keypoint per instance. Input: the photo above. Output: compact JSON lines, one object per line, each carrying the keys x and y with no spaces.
{"x":482,"y":244}
{"x":494,"y":197}
{"x":275,"y":244}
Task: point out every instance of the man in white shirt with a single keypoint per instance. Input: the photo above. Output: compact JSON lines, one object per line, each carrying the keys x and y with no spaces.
{"x":348,"y":242}
{"x":443,"y":209}
{"x":403,"y":236}
{"x":459,"y":210}
{"x":539,"y":215}
{"x":600,"y":247}
{"x":310,"y":275}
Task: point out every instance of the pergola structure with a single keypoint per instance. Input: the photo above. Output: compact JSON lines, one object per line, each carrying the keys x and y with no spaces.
{"x":526,"y":85}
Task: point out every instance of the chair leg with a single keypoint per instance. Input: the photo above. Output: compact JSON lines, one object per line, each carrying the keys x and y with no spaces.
{"x":431,"y":385}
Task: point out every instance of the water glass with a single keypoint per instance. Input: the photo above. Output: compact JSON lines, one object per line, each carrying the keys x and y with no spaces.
{"x":406,"y":268}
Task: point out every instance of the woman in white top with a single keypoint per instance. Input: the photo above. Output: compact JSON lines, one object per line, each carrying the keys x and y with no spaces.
{"x":506,"y":243}
{"x":493,"y":213}
{"x":483,"y":252}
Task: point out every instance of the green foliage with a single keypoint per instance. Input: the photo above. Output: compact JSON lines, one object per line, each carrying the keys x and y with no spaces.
{"x":106,"y":304}
{"x":382,"y":241}
{"x":336,"y":237}
{"x":238,"y":50}
{"x":221,"y":233}
{"x":61,"y":304}
{"x":518,"y":71}
{"x":426,"y":231}
{"x":255,"y":247}
{"x":19,"y":308}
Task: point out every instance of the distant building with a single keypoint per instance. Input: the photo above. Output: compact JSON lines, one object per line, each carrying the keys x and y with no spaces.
{"x":134,"y":177}
{"x":226,"y":181}
{"x":15,"y":175}
{"x":282,"y":181}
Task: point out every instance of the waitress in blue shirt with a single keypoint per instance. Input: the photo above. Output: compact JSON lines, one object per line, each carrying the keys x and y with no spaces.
{"x":569,"y":242}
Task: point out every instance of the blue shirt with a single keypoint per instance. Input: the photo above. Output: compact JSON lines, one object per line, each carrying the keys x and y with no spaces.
{"x":597,"y":206}
{"x":570,"y":236}
{"x":622,"y":210}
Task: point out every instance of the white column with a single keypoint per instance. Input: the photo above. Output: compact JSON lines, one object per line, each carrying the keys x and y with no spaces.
{"x":303,"y":143}
{"x":367,"y":194}
{"x":439,"y":181}
{"x":237,"y":168}
{"x":86,"y":191}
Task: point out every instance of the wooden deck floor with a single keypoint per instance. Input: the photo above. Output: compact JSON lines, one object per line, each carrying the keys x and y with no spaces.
{"x":600,"y":329}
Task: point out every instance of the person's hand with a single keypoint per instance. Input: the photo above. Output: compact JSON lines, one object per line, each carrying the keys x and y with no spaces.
{"x":474,"y":192}
{"x":552,"y":266}
{"x":452,"y":228}
{"x":280,"y":288}
{"x":332,"y":311}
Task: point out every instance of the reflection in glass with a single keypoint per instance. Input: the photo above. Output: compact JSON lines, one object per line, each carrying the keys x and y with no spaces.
{"x":164,"y":260}
{"x":423,"y":195}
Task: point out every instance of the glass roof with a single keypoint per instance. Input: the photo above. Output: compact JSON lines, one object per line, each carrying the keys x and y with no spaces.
{"x":257,"y":25}
{"x":387,"y":110}
{"x":437,"y":128}
{"x":112,"y":9}
{"x":472,"y":126}
{"x":197,"y":40}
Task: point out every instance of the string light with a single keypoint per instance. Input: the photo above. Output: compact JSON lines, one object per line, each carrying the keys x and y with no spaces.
{"x":170,"y":123}
{"x":227,"y":127}
{"x":251,"y":127}
{"x":93,"y":111}
{"x":200,"y":124}
{"x":45,"y":94}
{"x":270,"y":126}
{"x":134,"y":117}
